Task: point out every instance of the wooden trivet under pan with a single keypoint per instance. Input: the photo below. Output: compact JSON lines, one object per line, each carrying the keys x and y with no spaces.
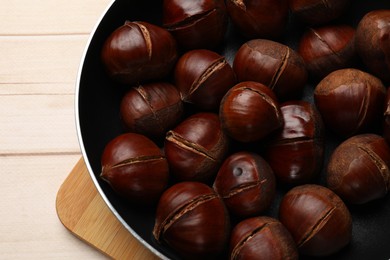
{"x":83,"y":212}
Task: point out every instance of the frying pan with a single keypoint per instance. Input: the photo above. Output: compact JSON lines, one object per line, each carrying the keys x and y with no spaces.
{"x":98,"y":122}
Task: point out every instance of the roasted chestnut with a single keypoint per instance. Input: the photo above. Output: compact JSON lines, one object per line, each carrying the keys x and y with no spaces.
{"x":317,"y":218}
{"x":296,"y":152}
{"x":350,"y":101}
{"x":151,"y":109}
{"x":328,"y":48}
{"x":373,"y":42}
{"x":259,"y":18}
{"x":358,"y":170}
{"x":192,"y":219}
{"x":273,"y":64}
{"x":250,"y":111}
{"x":203,"y":77}
{"x":137,"y":52}
{"x":317,"y":12}
{"x":246,"y":184}
{"x":135,"y":168}
{"x":196,"y":148}
{"x":196,"y":24}
{"x":262,"y":238}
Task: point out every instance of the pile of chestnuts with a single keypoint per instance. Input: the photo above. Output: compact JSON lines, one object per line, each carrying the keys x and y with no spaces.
{"x":209,"y":141}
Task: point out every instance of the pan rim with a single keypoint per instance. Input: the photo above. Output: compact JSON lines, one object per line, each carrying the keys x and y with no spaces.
{"x":81,"y":142}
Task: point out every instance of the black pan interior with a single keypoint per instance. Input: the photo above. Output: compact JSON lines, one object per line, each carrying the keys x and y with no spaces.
{"x":98,"y":123}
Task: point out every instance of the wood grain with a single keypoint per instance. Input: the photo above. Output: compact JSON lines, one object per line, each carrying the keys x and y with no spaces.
{"x":48,"y":17}
{"x":41,"y":44}
{"x":41,"y":59}
{"x":29,"y":226}
{"x":38,"y":124}
{"x":82,"y":210}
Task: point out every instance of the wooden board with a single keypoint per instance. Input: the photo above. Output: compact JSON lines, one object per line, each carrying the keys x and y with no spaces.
{"x":83,"y":212}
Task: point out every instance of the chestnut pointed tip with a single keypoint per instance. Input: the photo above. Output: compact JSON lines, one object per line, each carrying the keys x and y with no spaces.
{"x":157,"y":233}
{"x":103,"y":175}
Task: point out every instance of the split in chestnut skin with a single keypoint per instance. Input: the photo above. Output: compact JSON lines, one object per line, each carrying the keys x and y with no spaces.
{"x":328,"y":48}
{"x":318,"y":12}
{"x":139,"y":52}
{"x":196,"y":148}
{"x":192,"y":219}
{"x":135,"y":168}
{"x":273,"y":64}
{"x":246,"y":183}
{"x":317,"y":218}
{"x":257,"y":102}
{"x":198,"y":24}
{"x":296,"y":152}
{"x":259,"y":18}
{"x":262,"y":238}
{"x":350,"y":101}
{"x":203,"y":77}
{"x":249,"y":112}
{"x":373,"y":42}
{"x":151,"y":109}
{"x":358,"y":170}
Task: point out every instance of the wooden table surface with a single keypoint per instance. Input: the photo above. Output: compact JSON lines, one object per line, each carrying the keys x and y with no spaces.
{"x":41,"y":45}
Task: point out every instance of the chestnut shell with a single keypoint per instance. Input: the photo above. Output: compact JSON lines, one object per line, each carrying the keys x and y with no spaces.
{"x":316,"y":12}
{"x":350,"y":101}
{"x":358,"y":170}
{"x":259,"y":18}
{"x":135,"y":168}
{"x":317,"y":218}
{"x":193,"y":220}
{"x":373,"y":42}
{"x":137,"y":52}
{"x":250,"y":111}
{"x":296,"y":151}
{"x":328,"y":48}
{"x":151,"y":109}
{"x":273,"y":64}
{"x":262,"y":238}
{"x":196,"y":148}
{"x":203,"y":77}
{"x":200,"y":24}
{"x":246,"y":184}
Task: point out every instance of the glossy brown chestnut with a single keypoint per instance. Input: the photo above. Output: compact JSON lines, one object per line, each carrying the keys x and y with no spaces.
{"x":386,"y":118}
{"x":138,"y":51}
{"x":203,"y":77}
{"x":135,"y":168}
{"x":317,"y":218}
{"x":196,"y":148}
{"x":250,"y":111}
{"x":259,"y":18}
{"x":358,"y":170}
{"x":262,"y":238}
{"x":151,"y":109}
{"x":196,"y":24}
{"x":192,"y":219}
{"x":373,"y":42}
{"x":350,"y":101}
{"x":296,"y":152}
{"x":317,"y":12}
{"x":246,"y":184}
{"x":328,"y":48}
{"x":273,"y":64}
